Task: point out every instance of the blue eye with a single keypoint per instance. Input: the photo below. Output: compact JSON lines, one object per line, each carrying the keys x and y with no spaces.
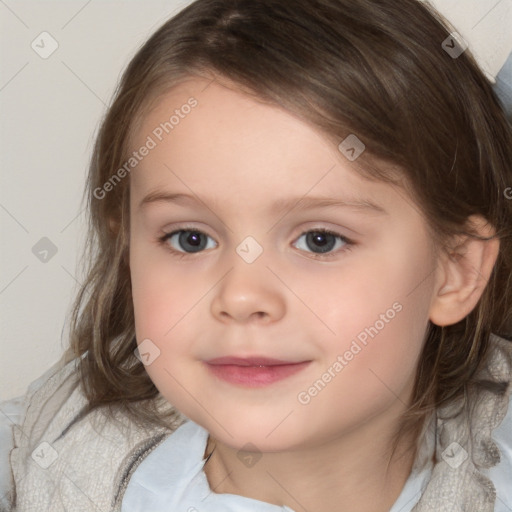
{"x":324,"y":241}
{"x":193,"y":241}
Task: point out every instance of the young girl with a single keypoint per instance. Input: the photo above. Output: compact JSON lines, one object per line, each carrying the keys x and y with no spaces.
{"x":299,"y":293}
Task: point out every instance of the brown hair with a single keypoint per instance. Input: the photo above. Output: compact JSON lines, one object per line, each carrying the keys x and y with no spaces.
{"x":374,"y":69}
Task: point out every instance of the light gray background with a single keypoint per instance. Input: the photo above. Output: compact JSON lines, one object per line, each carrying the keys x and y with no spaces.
{"x":50,"y":110}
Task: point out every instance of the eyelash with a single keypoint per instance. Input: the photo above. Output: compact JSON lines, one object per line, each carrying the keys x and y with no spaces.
{"x":182,"y":254}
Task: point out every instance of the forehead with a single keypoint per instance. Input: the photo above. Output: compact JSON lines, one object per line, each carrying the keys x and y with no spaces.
{"x":213,"y":140}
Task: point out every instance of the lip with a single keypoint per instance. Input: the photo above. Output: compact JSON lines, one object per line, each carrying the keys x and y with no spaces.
{"x":253,"y":371}
{"x":250,"y":361}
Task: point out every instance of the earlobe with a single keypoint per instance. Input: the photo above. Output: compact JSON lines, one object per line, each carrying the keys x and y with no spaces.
{"x":461,"y":275}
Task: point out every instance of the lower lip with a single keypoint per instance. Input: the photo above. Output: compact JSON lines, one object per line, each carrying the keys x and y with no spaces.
{"x":255,"y":376}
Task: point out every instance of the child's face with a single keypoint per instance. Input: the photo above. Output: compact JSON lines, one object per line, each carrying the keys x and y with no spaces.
{"x":358,"y":315}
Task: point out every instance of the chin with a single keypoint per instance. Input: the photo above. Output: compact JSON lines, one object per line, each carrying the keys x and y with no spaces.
{"x":271,"y":435}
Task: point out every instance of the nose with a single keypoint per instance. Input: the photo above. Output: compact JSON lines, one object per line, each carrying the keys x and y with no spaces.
{"x":248,"y":293}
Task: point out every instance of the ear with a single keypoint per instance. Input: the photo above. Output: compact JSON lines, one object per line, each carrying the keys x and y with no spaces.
{"x":462,"y":273}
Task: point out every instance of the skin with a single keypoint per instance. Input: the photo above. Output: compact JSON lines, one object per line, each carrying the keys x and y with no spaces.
{"x":239,"y":156}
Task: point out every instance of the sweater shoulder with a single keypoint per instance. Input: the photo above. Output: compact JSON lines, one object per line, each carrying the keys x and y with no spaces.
{"x":69,"y":457}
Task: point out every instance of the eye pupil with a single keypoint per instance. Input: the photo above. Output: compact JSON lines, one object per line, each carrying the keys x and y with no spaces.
{"x":195,"y":239}
{"x":319,"y":238}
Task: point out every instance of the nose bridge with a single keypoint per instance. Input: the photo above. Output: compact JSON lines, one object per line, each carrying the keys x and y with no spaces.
{"x":249,"y":288}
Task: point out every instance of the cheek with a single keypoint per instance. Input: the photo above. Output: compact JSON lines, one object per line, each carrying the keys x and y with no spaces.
{"x":385,"y":299}
{"x":367,"y":372}
{"x":159,"y":297}
{"x":167,"y":303}
{"x":378,"y":311}
{"x":161,"y":303}
{"x":380,"y":330}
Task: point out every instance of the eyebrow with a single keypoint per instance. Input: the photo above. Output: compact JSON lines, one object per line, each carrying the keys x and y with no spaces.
{"x":306,"y":202}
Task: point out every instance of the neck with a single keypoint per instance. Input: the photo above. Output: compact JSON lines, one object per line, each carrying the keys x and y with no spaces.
{"x":356,"y":470}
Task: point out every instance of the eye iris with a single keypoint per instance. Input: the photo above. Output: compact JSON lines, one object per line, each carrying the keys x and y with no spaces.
{"x":326,"y":241}
{"x":192,"y":239}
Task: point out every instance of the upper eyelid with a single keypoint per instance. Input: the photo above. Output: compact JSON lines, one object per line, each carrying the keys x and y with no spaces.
{"x":302,"y":232}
